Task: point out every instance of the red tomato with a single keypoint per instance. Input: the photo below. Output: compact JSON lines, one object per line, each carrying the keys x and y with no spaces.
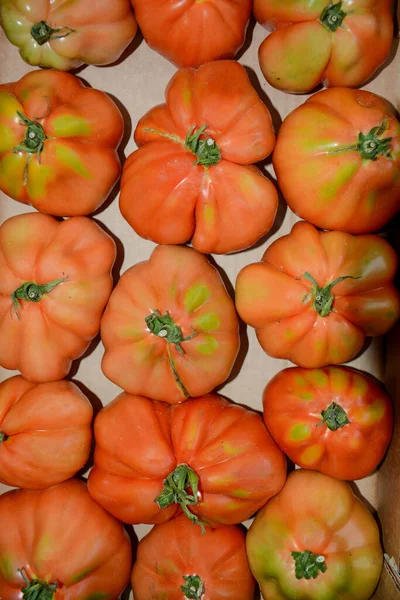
{"x":175,"y":559}
{"x":192,"y":177}
{"x":316,"y":295}
{"x":337,"y":160}
{"x":55,"y":279}
{"x":212,"y":460}
{"x":59,"y":149}
{"x":59,"y":544}
{"x":340,"y":43}
{"x":170,"y":329}
{"x":190,"y":33}
{"x":332,"y":420}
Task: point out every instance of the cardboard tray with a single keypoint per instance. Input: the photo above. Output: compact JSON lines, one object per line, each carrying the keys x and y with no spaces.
{"x":136,"y":83}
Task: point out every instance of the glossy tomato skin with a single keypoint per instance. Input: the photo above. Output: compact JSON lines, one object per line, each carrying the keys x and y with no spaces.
{"x":308,"y":46}
{"x":41,"y":337}
{"x":176,"y":549}
{"x":320,"y":514}
{"x":61,"y":535}
{"x":74,"y":164}
{"x":223,"y":205}
{"x":277,"y":297}
{"x":238,"y":465}
{"x":303,"y":410}
{"x":324,"y":177}
{"x":82,"y":33}
{"x":179,"y":282}
{"x":45,"y":432}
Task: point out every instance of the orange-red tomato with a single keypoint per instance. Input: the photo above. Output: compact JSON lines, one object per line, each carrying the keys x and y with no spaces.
{"x":190,"y":33}
{"x":59,"y":143}
{"x":61,"y":545}
{"x":55,"y":280}
{"x":192,"y":177}
{"x":316,"y":295}
{"x":315,"y":540}
{"x":170,"y":329}
{"x":342,"y":43}
{"x":176,"y":560}
{"x":64,"y":35}
{"x":337,"y":160}
{"x":45,"y":432}
{"x":332,"y":420}
{"x":210,"y":459}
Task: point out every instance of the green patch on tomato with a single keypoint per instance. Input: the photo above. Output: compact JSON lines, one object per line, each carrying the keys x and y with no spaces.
{"x":300,"y":432}
{"x":196,"y":296}
{"x":330,"y":190}
{"x":208,"y":347}
{"x":240,"y":493}
{"x":82,"y":574}
{"x":208,"y":322}
{"x":6,"y":567}
{"x":98,"y":596}
{"x":7,"y":138}
{"x":71,"y":159}
{"x":71,"y":126}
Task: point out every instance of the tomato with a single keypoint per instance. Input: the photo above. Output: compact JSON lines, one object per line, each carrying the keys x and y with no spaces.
{"x":59,"y":142}
{"x":175,"y":557}
{"x":190,"y":33}
{"x":337,"y":160}
{"x":190,"y":177}
{"x":64,"y":35}
{"x":332,"y":420}
{"x":60,"y":544}
{"x":315,"y":540}
{"x":210,"y":459}
{"x":55,"y":280}
{"x":316,"y":295}
{"x":45,"y":432}
{"x":170,"y":329}
{"x":340,"y":43}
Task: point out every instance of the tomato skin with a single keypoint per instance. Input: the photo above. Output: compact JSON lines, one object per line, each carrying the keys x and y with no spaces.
{"x":276,"y":297}
{"x":190,"y":33}
{"x":293,"y":402}
{"x":302,"y":52}
{"x":88,"y":35}
{"x":238,"y":465}
{"x":321,"y":514}
{"x":339,"y":189}
{"x":37,"y":452}
{"x":224,"y":206}
{"x":176,"y":548}
{"x":60,"y":534}
{"x":58,"y":327}
{"x":74,"y":169}
{"x":180,"y":282}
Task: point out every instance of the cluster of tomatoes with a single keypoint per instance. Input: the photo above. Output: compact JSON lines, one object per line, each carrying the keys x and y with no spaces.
{"x":170,"y":451}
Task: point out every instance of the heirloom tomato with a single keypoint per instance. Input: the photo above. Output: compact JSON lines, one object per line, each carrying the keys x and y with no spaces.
{"x":332,"y":420}
{"x":55,"y":279}
{"x":337,"y":160}
{"x":45,"y":432}
{"x":316,"y":295}
{"x":190,"y":33}
{"x":315,"y":541}
{"x":60,"y":545}
{"x":64,"y":35}
{"x":58,"y":143}
{"x":210,"y":459}
{"x":175,"y":560}
{"x":341,"y":43}
{"x":170,"y":329}
{"x":192,"y":177}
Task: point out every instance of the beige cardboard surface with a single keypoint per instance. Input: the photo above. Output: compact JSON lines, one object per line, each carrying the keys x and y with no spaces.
{"x":137,"y":83}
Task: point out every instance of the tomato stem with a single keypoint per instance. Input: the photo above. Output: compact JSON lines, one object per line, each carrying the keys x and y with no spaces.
{"x":332,"y":16}
{"x":37,"y":589}
{"x":334,"y":417}
{"x":32,"y":292}
{"x":370,"y":145}
{"x":194,"y":587}
{"x":308,"y":565}
{"x":165,"y":327}
{"x":323,"y":299}
{"x":181,"y":487}
{"x":42,"y":32}
{"x":3,"y":437}
{"x":206,"y":149}
{"x":34,"y":139}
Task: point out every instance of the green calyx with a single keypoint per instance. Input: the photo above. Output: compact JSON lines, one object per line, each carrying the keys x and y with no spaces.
{"x":334,"y":417}
{"x":372,"y":145}
{"x":181,"y":487}
{"x":193,"y":588}
{"x":3,"y":437}
{"x":308,"y":565}
{"x":37,"y":589}
{"x":165,"y":327}
{"x":32,"y":292}
{"x":332,"y":16}
{"x":34,"y":139}
{"x":323,"y":299}
{"x":205,"y":149}
{"x":42,"y":32}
